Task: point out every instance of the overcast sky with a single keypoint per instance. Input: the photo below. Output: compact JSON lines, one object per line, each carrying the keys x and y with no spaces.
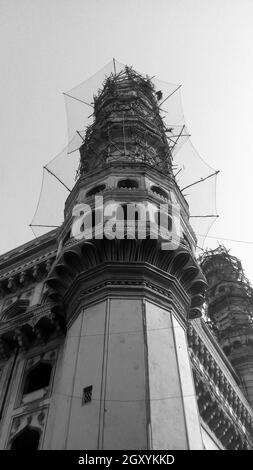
{"x":49,"y":46}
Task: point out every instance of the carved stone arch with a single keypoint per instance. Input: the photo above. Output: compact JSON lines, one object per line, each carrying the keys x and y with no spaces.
{"x":16,"y":308}
{"x":90,"y":254}
{"x":188,"y":275}
{"x":147,"y":251}
{"x":127,"y":248}
{"x":128,"y":183}
{"x":198,"y":286}
{"x":164,"y":260}
{"x":44,"y":326}
{"x":124,"y":250}
{"x":27,"y":438}
{"x":154,"y":255}
{"x":64,"y":272}
{"x":54,"y":296}
{"x":179,"y":261}
{"x":197,"y":301}
{"x":117,"y":250}
{"x":105,"y":250}
{"x":132,"y":247}
{"x":71,"y":263}
{"x":194,"y":313}
{"x":24,"y":336}
{"x":73,"y":259}
{"x":159,"y":191}
{"x":120,"y":251}
{"x":56,"y":284}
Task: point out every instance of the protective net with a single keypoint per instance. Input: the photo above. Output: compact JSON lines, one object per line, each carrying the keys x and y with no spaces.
{"x":197,"y":181}
{"x":195,"y":178}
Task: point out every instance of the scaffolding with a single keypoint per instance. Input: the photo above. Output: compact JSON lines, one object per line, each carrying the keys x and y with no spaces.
{"x":160,"y":133}
{"x":235,"y":304}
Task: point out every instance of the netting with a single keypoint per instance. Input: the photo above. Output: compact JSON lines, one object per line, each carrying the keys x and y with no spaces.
{"x":197,"y":181}
{"x":58,"y":179}
{"x":60,"y":174}
{"x":79,"y":103}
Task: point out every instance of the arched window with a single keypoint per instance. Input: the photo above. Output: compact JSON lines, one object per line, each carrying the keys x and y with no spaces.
{"x":159,"y":191}
{"x":95,"y":190}
{"x":129,"y":184}
{"x":37,"y":378}
{"x":28,"y":439}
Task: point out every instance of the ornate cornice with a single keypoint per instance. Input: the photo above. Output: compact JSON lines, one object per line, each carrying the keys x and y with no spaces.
{"x":26,"y":273}
{"x":123,"y":287}
{"x":30,"y":249}
{"x":227,"y":431}
{"x":86,"y":257}
{"x":219,"y":403}
{"x":25,"y":330}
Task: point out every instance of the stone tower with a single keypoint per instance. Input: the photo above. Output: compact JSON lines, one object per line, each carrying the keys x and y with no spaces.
{"x":93,"y":348}
{"x":230,"y":309}
{"x":125,"y":300}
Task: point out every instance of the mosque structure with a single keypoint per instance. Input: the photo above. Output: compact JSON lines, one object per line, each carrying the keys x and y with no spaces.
{"x":116,"y":337}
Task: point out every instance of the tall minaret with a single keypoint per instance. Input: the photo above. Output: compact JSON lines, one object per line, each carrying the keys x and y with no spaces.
{"x":230,"y":308}
{"x":125,"y":379}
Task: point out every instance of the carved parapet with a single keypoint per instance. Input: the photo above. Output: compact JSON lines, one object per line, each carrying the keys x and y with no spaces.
{"x":36,"y":323}
{"x":25,"y":274}
{"x":219,"y":404}
{"x":34,"y":419}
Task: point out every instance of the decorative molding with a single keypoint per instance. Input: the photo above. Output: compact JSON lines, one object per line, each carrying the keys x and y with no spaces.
{"x":49,"y":356}
{"x":37,"y":325}
{"x":219,"y":404}
{"x":86,"y":258}
{"x":35,"y":419}
{"x":27,"y":273}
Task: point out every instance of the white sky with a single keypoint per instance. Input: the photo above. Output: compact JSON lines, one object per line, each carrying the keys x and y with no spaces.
{"x":49,"y":46}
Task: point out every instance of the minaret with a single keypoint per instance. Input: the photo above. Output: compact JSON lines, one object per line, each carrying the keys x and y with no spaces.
{"x":230,"y":309}
{"x":125,"y":381}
